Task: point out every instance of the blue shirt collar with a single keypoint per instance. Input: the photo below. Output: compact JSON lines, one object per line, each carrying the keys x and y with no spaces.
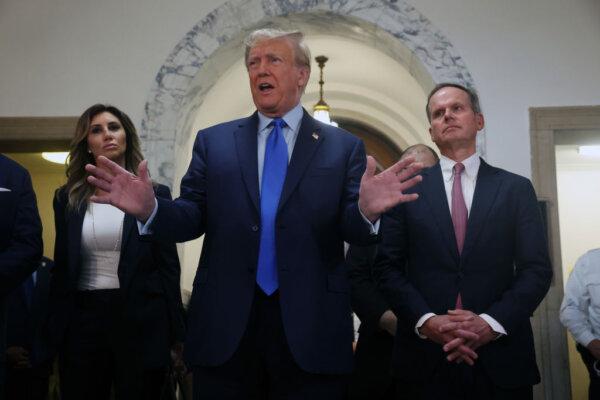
{"x":292,"y":118}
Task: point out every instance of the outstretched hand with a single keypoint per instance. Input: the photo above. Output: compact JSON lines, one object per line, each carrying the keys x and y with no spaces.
{"x":133,"y":194}
{"x":378,"y":193}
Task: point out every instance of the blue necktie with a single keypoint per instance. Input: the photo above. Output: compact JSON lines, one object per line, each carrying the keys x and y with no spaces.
{"x":273,"y":176}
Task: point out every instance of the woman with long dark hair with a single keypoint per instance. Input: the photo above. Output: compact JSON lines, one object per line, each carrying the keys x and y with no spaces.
{"x":115,"y":296}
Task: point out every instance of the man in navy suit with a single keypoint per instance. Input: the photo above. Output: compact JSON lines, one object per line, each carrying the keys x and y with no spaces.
{"x":20,"y":238}
{"x":275,"y":194}
{"x":464,"y":267}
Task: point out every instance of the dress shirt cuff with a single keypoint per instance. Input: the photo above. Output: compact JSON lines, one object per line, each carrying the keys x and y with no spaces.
{"x":585,"y":338}
{"x":495,"y":325}
{"x":373,"y":226}
{"x":420,"y":323}
{"x":144,"y":229}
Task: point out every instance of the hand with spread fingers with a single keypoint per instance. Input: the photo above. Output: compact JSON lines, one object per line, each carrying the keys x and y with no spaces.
{"x":380,"y":192}
{"x":133,"y":194}
{"x":453,"y":341}
{"x":460,"y":321}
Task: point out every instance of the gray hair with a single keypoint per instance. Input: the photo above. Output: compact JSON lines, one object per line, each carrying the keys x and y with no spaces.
{"x":471,"y":92}
{"x":301,"y":51}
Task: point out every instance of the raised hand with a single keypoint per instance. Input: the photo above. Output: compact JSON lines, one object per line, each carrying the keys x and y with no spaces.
{"x":378,"y":193}
{"x":133,"y":194}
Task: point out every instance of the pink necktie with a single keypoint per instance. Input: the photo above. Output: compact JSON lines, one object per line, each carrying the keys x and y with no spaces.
{"x":459,"y":214}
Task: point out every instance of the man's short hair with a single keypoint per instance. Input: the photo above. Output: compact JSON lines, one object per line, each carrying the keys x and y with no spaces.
{"x":471,"y":92}
{"x":301,"y":50}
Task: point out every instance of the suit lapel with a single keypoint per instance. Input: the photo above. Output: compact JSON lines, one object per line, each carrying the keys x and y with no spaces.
{"x":129,"y":252}
{"x":486,"y":189}
{"x":74,"y":227}
{"x":129,"y":223}
{"x":246,"y":147}
{"x":435,"y":195}
{"x":304,"y":149}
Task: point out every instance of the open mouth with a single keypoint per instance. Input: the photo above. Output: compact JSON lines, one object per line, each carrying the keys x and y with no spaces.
{"x":264,"y":87}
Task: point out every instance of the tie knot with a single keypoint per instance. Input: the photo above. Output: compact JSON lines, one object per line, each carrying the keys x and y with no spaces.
{"x":458,"y":168}
{"x":278,"y":123}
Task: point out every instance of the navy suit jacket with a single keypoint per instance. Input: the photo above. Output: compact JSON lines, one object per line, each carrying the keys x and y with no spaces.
{"x":27,"y":317}
{"x":20,"y":237}
{"x":504,"y":271}
{"x":148,"y":273}
{"x":318,"y":210}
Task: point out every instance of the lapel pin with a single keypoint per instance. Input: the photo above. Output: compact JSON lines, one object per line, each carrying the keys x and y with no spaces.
{"x":315,"y":136}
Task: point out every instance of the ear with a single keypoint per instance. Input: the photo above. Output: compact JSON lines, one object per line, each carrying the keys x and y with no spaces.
{"x":480,"y":121}
{"x":303,"y":76}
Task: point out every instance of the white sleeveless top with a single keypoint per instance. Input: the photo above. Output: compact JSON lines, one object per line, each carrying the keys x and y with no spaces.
{"x":100,"y":247}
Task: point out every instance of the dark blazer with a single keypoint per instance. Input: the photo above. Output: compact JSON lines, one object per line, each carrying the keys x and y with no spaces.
{"x":368,"y":302}
{"x":20,"y":237}
{"x":504,"y":271}
{"x":318,"y":210}
{"x":21,"y":228}
{"x":27,"y":318}
{"x":148,"y":276}
{"x":372,"y":358}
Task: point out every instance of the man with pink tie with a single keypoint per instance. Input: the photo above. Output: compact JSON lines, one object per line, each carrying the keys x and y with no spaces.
{"x":464,"y":268}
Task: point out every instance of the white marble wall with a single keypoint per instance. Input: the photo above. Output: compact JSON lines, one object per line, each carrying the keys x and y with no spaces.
{"x":394,"y":27}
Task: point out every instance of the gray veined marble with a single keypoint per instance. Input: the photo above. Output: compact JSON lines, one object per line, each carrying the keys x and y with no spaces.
{"x":394,"y":27}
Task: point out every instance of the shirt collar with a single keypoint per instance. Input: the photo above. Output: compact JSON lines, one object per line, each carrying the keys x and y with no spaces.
{"x":471,"y":164}
{"x":292,"y":119}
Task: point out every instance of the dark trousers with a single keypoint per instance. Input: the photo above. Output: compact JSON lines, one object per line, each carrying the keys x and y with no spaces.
{"x":589,"y":360}
{"x":461,"y":382}
{"x":371,"y":378}
{"x":101,"y":350}
{"x":156,"y":385}
{"x":28,"y":383}
{"x":262,"y":367}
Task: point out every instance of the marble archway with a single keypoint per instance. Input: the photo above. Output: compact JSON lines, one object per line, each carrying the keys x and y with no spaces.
{"x":396,"y":28}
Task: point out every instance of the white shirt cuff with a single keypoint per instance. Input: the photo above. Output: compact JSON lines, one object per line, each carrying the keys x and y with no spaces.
{"x":373,"y":226}
{"x":585,"y":338}
{"x":144,"y":229}
{"x":420,"y":323}
{"x":495,"y":325}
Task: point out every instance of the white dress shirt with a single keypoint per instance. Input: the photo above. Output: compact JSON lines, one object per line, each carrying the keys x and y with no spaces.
{"x":100,"y":247}
{"x":580,"y":309}
{"x":468,"y":181}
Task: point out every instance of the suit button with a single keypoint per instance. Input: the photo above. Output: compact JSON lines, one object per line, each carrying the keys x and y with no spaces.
{"x":254,"y":228}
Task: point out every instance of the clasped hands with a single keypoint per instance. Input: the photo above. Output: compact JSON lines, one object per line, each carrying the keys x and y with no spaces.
{"x":460,"y":332}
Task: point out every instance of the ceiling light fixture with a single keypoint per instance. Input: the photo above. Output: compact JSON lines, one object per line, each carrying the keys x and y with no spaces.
{"x":55,"y":157}
{"x":589,"y":151}
{"x":321,"y":109}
